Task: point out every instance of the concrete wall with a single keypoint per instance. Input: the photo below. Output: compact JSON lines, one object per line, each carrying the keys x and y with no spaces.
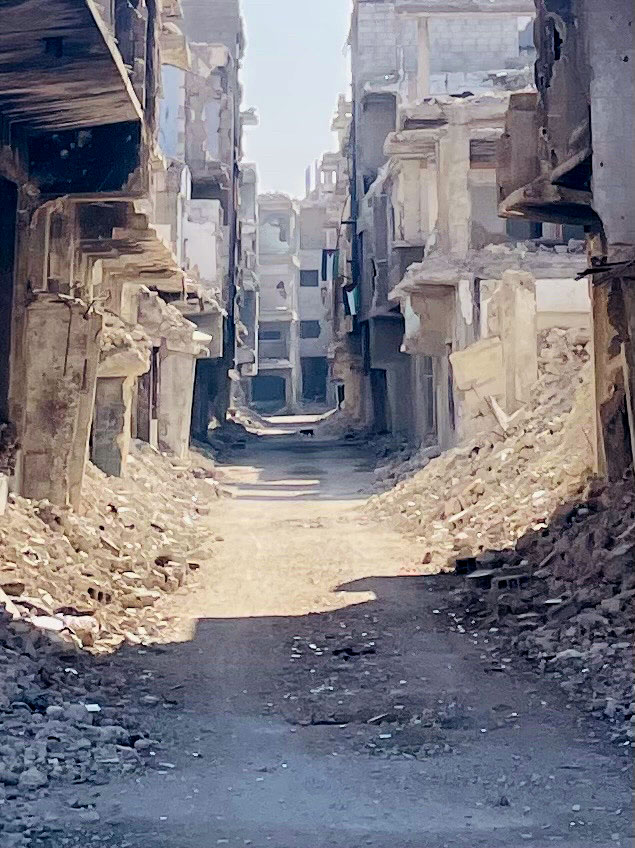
{"x":314,"y":306}
{"x":414,"y":200}
{"x":375,"y":40}
{"x":485,"y":225}
{"x":272,"y":295}
{"x":275,"y":348}
{"x":60,"y":374}
{"x":278,"y":274}
{"x":172,"y":112}
{"x":202,"y":235}
{"x":314,"y":302}
{"x":503,"y":366}
{"x":609,"y":30}
{"x":563,"y":303}
{"x":176,"y":386}
{"x":473,"y":43}
{"x":311,"y":226}
{"x":214,"y":21}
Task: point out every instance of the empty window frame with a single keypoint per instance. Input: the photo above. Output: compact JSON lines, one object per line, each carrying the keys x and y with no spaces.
{"x":429,"y":395}
{"x":269,"y":335}
{"x":310,"y":279}
{"x":309,"y":329}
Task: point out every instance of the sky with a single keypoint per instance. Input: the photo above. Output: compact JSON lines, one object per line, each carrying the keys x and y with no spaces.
{"x":293,"y":71}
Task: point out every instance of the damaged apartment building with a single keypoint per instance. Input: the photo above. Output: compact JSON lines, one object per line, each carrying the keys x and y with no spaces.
{"x":440,"y":300}
{"x":112,"y":254}
{"x":297,"y":243}
{"x":567,"y":159}
{"x":276,"y":386}
{"x":214,"y":123}
{"x":320,"y":213}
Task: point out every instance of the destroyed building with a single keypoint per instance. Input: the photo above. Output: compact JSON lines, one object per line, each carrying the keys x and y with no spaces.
{"x":297,"y":250}
{"x":319,"y":222}
{"x":419,"y":350}
{"x":277,"y":385}
{"x":120,"y":256}
{"x":566,"y":159}
{"x":248,"y":295}
{"x":458,"y":281}
{"x":213,"y":142}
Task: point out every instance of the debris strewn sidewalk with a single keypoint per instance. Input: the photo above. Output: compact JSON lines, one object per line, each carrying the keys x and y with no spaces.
{"x":546,"y":551}
{"x":93,"y":578}
{"x":78,"y":584}
{"x":487,"y":493}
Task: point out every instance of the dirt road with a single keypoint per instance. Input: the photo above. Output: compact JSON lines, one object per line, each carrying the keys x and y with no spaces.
{"x":325,"y":696}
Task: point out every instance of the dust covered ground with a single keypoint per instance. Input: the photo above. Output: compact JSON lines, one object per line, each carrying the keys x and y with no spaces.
{"x":319,"y":693}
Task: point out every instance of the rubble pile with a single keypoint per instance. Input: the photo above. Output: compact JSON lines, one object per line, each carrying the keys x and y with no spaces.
{"x":117,"y":337}
{"x":249,"y":418}
{"x":488,"y":493}
{"x":339,"y":425}
{"x":93,"y":578}
{"x":76,"y":584}
{"x":63,"y":721}
{"x":547,"y":552}
{"x":566,"y":595}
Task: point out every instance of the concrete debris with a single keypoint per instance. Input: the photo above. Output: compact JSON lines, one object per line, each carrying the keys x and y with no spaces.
{"x":118,"y":338}
{"x":93,"y":578}
{"x":547,"y":552}
{"x":50,"y":733}
{"x":486,"y":494}
{"x":583,"y":560}
{"x":73,"y":584}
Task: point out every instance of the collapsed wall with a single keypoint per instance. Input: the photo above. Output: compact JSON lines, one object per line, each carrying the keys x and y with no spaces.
{"x":547,"y":551}
{"x":94,"y":577}
{"x":491,"y":490}
{"x":76,"y":584}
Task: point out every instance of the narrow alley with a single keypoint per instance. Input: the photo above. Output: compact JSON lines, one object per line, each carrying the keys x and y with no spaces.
{"x":325,"y":695}
{"x":317,"y":423}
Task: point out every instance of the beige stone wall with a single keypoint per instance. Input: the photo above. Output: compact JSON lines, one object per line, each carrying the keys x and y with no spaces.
{"x":175,"y":400}
{"x":62,"y":341}
{"x":494,"y":376}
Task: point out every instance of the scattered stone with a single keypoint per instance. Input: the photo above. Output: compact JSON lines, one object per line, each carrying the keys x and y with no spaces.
{"x":76,"y":584}
{"x":545,"y":550}
{"x":33,"y":778}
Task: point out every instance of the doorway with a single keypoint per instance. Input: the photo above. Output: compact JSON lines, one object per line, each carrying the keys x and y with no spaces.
{"x":379,"y":391}
{"x":269,"y":393}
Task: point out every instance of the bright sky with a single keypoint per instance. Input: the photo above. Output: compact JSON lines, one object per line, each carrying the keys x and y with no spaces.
{"x":294,"y":69}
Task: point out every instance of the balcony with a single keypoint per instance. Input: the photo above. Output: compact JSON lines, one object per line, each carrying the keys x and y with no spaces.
{"x":545,"y":156}
{"x":67,"y":71}
{"x":66,"y":93}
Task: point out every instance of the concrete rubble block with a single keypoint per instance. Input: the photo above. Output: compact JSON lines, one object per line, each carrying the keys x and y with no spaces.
{"x":479,"y":367}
